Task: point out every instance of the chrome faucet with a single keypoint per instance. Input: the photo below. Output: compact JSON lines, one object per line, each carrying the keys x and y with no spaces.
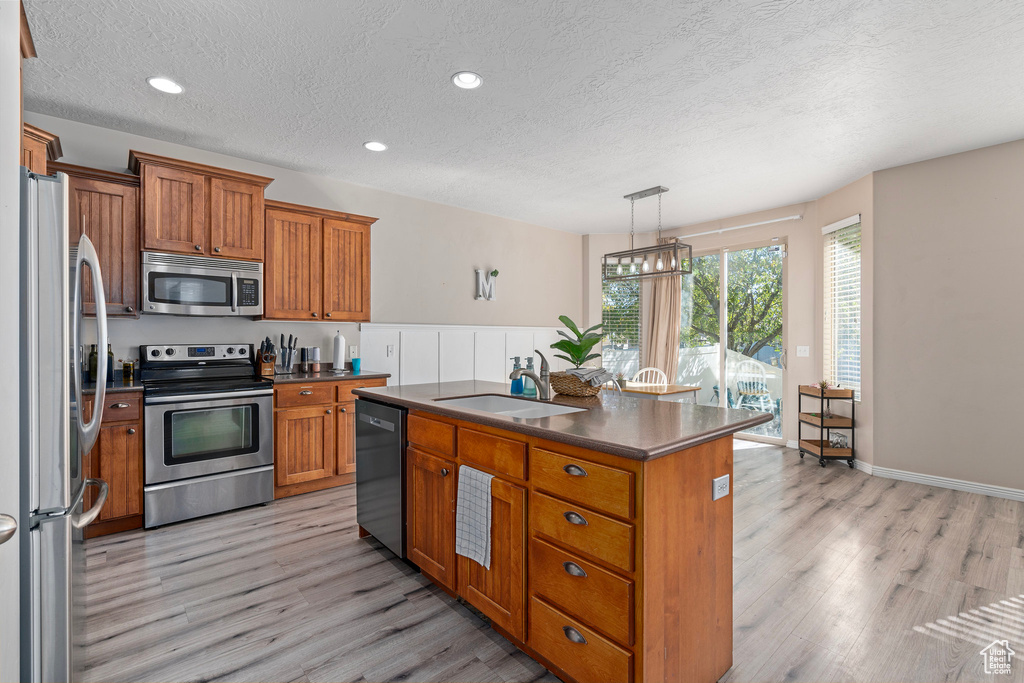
{"x":543,"y":382}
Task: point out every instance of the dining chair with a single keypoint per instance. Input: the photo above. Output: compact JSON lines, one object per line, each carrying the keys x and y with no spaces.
{"x":752,"y":386}
{"x":651,"y":376}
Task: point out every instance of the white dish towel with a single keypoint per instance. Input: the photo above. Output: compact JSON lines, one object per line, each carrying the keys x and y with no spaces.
{"x":473,"y":516}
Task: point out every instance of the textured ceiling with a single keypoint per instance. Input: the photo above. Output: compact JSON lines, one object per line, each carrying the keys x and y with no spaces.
{"x":735,"y":105}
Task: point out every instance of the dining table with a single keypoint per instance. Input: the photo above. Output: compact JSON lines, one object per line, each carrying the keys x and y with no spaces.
{"x":661,"y":392}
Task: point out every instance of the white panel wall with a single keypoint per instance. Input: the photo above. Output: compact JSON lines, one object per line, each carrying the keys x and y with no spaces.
{"x":518,"y":344}
{"x":420,"y":363}
{"x":457,"y":355}
{"x":379,"y":351}
{"x":489,"y":364}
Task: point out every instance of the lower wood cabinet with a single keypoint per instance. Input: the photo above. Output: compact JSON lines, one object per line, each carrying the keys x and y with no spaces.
{"x":345,"y":438}
{"x":430,"y":504}
{"x":303,"y":444}
{"x":117,"y":459}
{"x":500,"y":591}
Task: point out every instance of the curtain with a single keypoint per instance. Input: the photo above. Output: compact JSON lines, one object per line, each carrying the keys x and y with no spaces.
{"x":661,"y":348}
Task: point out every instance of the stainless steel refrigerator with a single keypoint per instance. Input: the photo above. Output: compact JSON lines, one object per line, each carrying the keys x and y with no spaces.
{"x":54,"y":437}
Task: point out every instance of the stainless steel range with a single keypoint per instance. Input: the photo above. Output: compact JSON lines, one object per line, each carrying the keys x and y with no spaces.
{"x":209,"y":431}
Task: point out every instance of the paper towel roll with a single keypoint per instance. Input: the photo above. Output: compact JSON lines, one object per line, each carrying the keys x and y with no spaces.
{"x":339,"y":351}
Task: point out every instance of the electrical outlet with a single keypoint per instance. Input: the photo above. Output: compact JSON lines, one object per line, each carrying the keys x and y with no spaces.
{"x":390,"y":350}
{"x":352,"y":351}
{"x":720,"y":487}
{"x":803,"y":352}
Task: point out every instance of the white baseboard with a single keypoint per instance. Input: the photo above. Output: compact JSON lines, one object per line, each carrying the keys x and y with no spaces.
{"x":865,"y":467}
{"x":947,"y":483}
{"x":792,"y":444}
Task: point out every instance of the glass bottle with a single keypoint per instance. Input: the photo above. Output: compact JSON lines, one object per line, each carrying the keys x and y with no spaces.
{"x":93,"y":362}
{"x":110,"y":364}
{"x":517,"y":384}
{"x":529,"y":386}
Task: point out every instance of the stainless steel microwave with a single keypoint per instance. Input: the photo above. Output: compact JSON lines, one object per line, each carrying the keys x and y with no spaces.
{"x":200,"y":285}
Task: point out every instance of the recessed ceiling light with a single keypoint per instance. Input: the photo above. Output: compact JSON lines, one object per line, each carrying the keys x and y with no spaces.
{"x":467,"y":80}
{"x":374,"y":146}
{"x":164,"y":85}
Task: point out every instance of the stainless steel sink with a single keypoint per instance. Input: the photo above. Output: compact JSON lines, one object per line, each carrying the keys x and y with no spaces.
{"x":508,"y":406}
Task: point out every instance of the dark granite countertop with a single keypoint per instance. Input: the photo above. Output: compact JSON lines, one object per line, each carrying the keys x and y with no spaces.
{"x":328,"y":376}
{"x":118,"y":386}
{"x":635,"y":428}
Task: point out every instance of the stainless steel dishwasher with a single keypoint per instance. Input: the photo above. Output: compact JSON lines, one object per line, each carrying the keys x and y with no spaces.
{"x":380,"y":473}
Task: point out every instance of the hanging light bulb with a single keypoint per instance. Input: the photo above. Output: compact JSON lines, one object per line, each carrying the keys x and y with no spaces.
{"x":673,"y":266}
{"x":646,"y":267}
{"x":659,"y":265}
{"x":618,"y":268}
{"x":632,"y":267}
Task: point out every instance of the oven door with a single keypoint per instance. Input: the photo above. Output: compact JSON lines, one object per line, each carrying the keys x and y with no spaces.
{"x":193,"y":436}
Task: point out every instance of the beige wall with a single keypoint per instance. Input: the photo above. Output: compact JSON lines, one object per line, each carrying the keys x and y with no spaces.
{"x":948,"y":315}
{"x":423,"y":253}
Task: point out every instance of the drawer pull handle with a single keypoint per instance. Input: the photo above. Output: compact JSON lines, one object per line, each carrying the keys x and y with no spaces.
{"x":574,"y":635}
{"x":444,"y":471}
{"x":573,"y":569}
{"x":306,"y":392}
{"x":575,"y":471}
{"x":575,"y":518}
{"x":121,"y":405}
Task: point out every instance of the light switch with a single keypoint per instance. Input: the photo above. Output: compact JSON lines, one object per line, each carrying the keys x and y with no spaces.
{"x":352,"y":351}
{"x":720,"y":487}
{"x":803,"y":351}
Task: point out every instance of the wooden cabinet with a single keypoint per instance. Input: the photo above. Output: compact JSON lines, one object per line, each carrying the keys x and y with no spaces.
{"x":38,"y":148}
{"x":500,"y":591}
{"x":105,"y":207}
{"x":116,"y":459}
{"x":430,"y":530}
{"x":318,"y":264}
{"x":304,"y":444}
{"x":292,"y":276}
{"x":190,"y":208}
{"x":345,"y":439}
{"x":315,"y":435}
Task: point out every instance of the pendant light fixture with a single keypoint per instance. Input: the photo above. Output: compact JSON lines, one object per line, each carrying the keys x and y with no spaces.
{"x":675,"y":254}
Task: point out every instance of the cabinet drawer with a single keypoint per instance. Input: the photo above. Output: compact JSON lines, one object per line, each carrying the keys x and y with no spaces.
{"x":594,"y":595}
{"x":314,"y":393}
{"x":122,"y":407}
{"x":345,"y":389}
{"x":431,"y":434}
{"x":589,"y":532}
{"x":493,"y":452}
{"x":575,"y":649}
{"x":597,"y":486}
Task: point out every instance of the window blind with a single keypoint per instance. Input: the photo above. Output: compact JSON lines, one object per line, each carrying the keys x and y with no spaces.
{"x":620,"y":315}
{"x":842,"y":306}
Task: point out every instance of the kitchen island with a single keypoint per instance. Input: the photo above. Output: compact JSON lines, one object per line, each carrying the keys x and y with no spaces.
{"x":610,"y":558}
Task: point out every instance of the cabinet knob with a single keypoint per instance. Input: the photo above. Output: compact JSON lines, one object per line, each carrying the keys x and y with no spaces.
{"x":327,"y":315}
{"x":305,"y":392}
{"x":444,"y":471}
{"x":129,"y":309}
{"x":328,"y":411}
{"x":199,"y":247}
{"x":574,"y":635}
{"x":575,"y":471}
{"x":344,"y":410}
{"x":314,"y":315}
{"x":131,"y":430}
{"x":573,"y":569}
{"x":217,"y":249}
{"x":575,"y":518}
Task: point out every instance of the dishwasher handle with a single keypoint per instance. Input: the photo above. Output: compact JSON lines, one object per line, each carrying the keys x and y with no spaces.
{"x":377,"y":422}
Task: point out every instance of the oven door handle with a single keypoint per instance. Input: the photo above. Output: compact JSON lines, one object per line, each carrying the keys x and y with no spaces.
{"x":191,"y":398}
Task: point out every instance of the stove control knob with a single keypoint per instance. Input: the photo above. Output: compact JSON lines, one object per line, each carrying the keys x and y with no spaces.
{"x":169,"y":351}
{"x":231,"y":350}
{"x":241,"y":351}
{"x":155,"y":353}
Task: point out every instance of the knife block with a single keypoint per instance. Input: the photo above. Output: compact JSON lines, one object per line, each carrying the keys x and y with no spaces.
{"x":266,"y":368}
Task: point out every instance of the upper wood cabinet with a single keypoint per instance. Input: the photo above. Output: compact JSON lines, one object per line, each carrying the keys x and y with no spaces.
{"x":190,"y":208}
{"x":105,"y":207}
{"x":318,"y":264}
{"x":37,"y":148}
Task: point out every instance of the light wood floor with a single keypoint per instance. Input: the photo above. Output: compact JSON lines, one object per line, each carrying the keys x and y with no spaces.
{"x":838,"y":577}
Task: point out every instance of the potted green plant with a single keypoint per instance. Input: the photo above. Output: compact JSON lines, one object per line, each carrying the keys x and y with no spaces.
{"x":577,"y":348}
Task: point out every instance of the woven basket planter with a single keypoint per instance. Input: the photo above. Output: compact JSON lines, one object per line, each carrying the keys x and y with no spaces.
{"x":570,"y":385}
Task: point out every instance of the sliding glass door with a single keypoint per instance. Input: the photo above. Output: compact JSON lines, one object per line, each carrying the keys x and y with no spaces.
{"x":700,"y":329}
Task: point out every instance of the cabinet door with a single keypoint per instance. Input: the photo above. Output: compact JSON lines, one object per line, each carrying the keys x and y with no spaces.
{"x":292,"y":276}
{"x":304,"y":439}
{"x":346,"y":271}
{"x":430,"y":506}
{"x":236,"y":219}
{"x":116,"y":459}
{"x":345,"y":432}
{"x":33,"y":154}
{"x":173,"y":210}
{"x":108,"y":214}
{"x":500,"y":592}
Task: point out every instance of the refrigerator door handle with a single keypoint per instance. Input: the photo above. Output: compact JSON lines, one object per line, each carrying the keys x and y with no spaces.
{"x":80,"y":520}
{"x":87,"y":255}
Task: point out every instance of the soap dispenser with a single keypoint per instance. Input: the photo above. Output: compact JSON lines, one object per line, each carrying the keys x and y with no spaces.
{"x":529,"y":386}
{"x":517,"y":384}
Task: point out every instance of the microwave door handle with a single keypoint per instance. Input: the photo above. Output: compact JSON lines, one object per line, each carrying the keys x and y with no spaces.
{"x":89,"y":432}
{"x":234,"y":292}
